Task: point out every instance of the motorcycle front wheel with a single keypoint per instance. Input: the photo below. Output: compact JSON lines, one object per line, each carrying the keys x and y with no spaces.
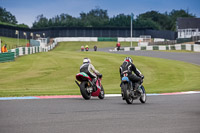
{"x":83,"y":88}
{"x":143,"y":97}
{"x":102,"y":93}
{"x":127,"y":93}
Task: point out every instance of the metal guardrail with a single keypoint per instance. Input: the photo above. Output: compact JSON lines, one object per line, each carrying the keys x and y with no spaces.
{"x":8,"y":56}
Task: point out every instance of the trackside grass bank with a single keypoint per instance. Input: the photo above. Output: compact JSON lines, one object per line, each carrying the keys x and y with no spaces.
{"x":53,"y":72}
{"x":13,"y":42}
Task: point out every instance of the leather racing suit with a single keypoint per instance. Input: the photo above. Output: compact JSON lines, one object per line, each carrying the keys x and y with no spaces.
{"x":89,"y":69}
{"x":130,"y":67}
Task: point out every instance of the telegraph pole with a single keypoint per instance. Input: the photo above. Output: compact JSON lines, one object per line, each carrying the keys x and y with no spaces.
{"x":17,"y":33}
{"x":25,"y":36}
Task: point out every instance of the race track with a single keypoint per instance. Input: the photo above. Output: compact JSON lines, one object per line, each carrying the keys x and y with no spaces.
{"x":161,"y":114}
{"x":190,"y":57}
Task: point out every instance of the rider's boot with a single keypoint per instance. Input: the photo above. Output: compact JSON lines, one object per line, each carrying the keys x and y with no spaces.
{"x":137,"y":87}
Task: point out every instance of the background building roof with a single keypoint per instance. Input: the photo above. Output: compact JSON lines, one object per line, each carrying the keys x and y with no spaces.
{"x":185,"y":23}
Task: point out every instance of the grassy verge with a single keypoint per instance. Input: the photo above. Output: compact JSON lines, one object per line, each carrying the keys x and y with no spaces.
{"x":53,"y":73}
{"x":13,"y":42}
{"x":74,"y":46}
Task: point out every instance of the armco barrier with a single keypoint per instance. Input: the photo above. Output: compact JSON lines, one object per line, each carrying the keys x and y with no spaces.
{"x":5,"y":57}
{"x":196,"y":48}
{"x":107,"y":39}
{"x":16,"y":52}
{"x":77,"y":39}
{"x":149,"y":48}
{"x":95,"y":39}
{"x":128,"y":39}
{"x":13,"y":53}
{"x":189,"y":47}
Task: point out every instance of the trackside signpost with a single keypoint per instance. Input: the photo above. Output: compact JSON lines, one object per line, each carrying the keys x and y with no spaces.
{"x":131,"y":28}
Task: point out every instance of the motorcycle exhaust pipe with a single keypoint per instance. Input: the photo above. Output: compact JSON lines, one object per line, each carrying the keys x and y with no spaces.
{"x":77,"y":83}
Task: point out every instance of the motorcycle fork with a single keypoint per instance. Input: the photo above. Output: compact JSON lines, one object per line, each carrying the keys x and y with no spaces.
{"x":90,"y":83}
{"x":99,"y":82}
{"x":131,"y":86}
{"x":89,"y":88}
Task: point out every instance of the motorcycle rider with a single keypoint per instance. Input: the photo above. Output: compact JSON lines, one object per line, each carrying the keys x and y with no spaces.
{"x":86,"y":48}
{"x":130,"y":67}
{"x":89,"y":69}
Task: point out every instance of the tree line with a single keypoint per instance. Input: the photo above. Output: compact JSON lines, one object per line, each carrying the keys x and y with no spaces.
{"x":99,"y":18}
{"x":6,"y":18}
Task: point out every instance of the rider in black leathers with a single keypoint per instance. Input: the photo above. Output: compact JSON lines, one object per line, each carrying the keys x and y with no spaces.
{"x":130,"y":67}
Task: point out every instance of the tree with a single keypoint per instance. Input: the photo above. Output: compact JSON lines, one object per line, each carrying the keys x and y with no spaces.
{"x":41,"y":22}
{"x":146,"y":23}
{"x":23,"y":25}
{"x":174,"y":14}
{"x":99,"y":18}
{"x":7,"y":17}
{"x":161,"y":20}
{"x":95,"y":18}
{"x":120,"y":20}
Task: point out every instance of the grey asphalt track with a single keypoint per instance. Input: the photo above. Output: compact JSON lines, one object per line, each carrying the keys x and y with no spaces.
{"x":161,"y":114}
{"x":190,"y":57}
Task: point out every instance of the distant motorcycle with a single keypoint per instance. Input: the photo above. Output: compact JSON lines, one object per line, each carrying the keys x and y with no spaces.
{"x":87,"y":49}
{"x":129,"y":94}
{"x":95,"y":48}
{"x":87,"y":88}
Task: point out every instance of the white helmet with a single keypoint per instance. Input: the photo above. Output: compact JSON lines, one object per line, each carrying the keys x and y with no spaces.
{"x":86,"y":60}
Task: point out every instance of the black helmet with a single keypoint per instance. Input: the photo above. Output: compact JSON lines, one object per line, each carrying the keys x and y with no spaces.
{"x":128,"y":59}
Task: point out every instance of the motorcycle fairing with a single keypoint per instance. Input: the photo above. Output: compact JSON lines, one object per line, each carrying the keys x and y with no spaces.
{"x":96,"y":93}
{"x":82,"y":77}
{"x":125,"y":79}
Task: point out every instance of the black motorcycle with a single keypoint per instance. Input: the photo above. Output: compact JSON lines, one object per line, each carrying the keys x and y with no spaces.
{"x":128,"y":92}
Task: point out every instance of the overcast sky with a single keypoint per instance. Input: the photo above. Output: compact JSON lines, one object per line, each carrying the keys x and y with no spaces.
{"x":26,"y":11}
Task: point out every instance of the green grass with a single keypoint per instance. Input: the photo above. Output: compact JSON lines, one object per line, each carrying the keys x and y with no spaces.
{"x":13,"y":42}
{"x":73,"y":46}
{"x":53,"y":72}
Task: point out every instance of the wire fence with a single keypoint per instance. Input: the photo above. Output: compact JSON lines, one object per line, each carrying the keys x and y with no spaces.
{"x":25,"y":33}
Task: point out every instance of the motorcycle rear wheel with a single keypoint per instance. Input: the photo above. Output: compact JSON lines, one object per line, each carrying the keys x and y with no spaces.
{"x":126,"y":94}
{"x":83,"y":88}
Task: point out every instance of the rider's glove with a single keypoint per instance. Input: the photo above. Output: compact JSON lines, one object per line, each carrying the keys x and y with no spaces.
{"x":142,"y":76}
{"x":100,"y":75}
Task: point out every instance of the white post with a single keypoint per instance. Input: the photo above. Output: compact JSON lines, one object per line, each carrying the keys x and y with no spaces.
{"x":32,"y":35}
{"x":18,"y":39}
{"x":26,"y":36}
{"x":26,"y":39}
{"x":17,"y":33}
{"x":131,"y":28}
